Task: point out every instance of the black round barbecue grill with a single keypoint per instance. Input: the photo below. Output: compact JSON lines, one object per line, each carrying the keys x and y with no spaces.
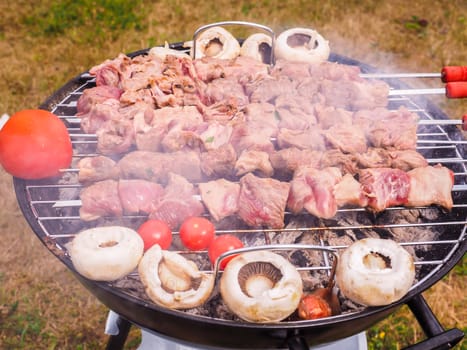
{"x":50,"y":210}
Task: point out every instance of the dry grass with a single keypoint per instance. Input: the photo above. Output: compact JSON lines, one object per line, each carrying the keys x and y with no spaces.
{"x":41,"y":305}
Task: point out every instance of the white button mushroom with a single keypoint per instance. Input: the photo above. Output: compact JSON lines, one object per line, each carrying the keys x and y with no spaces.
{"x":216,"y":42}
{"x":375,"y":272}
{"x":257,"y":46}
{"x":106,"y":253}
{"x":261,"y":286}
{"x":301,"y":45}
{"x":173,"y":281}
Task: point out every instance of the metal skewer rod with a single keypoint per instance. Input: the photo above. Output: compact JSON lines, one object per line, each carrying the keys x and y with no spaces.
{"x":440,"y":122}
{"x":455,"y":89}
{"x":447,"y":74}
{"x":399,"y":75}
{"x":427,"y":91}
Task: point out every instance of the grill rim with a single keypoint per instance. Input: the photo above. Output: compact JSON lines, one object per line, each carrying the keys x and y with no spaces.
{"x":115,"y":299}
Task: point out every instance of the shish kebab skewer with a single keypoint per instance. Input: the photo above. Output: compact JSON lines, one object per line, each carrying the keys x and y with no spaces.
{"x":447,"y":74}
{"x":462,"y":122}
{"x":453,"y":89}
{"x":77,"y":202}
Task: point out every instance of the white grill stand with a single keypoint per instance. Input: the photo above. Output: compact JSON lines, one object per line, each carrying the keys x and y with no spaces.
{"x":155,"y":341}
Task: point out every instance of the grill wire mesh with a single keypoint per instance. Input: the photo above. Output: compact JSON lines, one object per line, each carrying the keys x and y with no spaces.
{"x":57,"y":215}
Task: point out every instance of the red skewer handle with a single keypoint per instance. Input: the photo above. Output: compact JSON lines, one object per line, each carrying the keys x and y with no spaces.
{"x":454,"y":73}
{"x":456,"y":89}
{"x":464,"y":122}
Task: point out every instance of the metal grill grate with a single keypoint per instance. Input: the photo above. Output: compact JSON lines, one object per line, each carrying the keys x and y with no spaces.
{"x":54,"y":204}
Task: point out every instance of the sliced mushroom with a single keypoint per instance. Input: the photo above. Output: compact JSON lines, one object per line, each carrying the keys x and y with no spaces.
{"x":257,"y":46}
{"x":375,"y":272}
{"x":261,"y":287}
{"x":301,"y":45}
{"x":173,"y":281}
{"x":216,"y":42}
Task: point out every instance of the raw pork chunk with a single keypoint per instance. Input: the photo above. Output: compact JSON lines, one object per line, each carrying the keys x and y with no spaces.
{"x":262,"y":201}
{"x":220,"y":197}
{"x":313,"y":190}
{"x":178,"y":203}
{"x":431,"y":185}
{"x":385,"y":187}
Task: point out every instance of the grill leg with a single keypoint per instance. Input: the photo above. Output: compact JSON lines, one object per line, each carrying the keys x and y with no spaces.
{"x":117,"y":341}
{"x":297,"y":343}
{"x":438,"y":338}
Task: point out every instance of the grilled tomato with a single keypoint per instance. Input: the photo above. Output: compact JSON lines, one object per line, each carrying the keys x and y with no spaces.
{"x":222,"y":244}
{"x":197,"y":233}
{"x":34,"y":144}
{"x":155,"y":232}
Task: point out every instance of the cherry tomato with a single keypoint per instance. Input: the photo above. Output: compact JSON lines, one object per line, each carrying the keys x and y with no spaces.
{"x":312,"y":307}
{"x":155,"y":232}
{"x":222,"y":244}
{"x":34,"y":144}
{"x":197,"y":233}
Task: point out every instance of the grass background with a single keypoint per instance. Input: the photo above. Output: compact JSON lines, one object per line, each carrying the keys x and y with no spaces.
{"x":44,"y":44}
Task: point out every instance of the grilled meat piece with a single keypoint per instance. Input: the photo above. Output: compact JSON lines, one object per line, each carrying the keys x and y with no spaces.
{"x":318,"y":71}
{"x":111,"y":72}
{"x":335,"y":71}
{"x":113,"y":198}
{"x":262,"y":116}
{"x":313,"y":190}
{"x":293,"y":70}
{"x":268,"y":89}
{"x":374,"y":158}
{"x":139,"y":196}
{"x":254,"y":162}
{"x":398,"y":159}
{"x":388,"y":129}
{"x":303,"y":139}
{"x":219,"y":162}
{"x":178,"y":202}
{"x":262,"y":201}
{"x":219,"y":90}
{"x":96,"y":95}
{"x":335,"y":158}
{"x":287,"y":160}
{"x":93,"y":169}
{"x":295,"y":112}
{"x":160,"y":128}
{"x":348,"y":191}
{"x":155,"y":166}
{"x":431,"y":185}
{"x":100,"y":199}
{"x":355,"y":95}
{"x":385,"y":187}
{"x":115,"y":137}
{"x":243,"y":69}
{"x":407,"y":159}
{"x":346,"y":138}
{"x":252,"y":135}
{"x":328,"y":116}
{"x":98,"y":114}
{"x":220,"y":197}
{"x":222,"y":111}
